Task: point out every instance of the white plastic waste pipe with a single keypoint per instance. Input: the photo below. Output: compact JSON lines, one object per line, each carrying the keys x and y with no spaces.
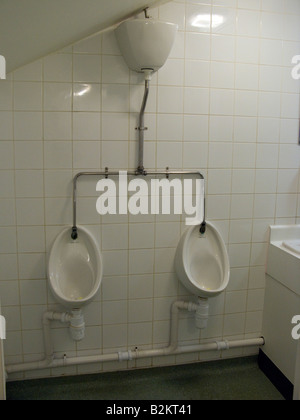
{"x":172,"y":349}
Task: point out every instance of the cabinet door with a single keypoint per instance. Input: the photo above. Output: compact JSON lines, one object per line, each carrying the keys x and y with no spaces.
{"x":2,"y":371}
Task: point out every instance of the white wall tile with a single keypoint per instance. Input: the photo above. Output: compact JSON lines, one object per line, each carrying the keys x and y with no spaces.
{"x":114,"y":154}
{"x":58,"y":68}
{"x":8,"y":244}
{"x":28,"y":96}
{"x":6,"y":155}
{"x":268,"y":130}
{"x":86,"y":68}
{"x":86,"y":97}
{"x":245,"y":129}
{"x":30,"y":211}
{"x":170,"y":127}
{"x":271,"y":52}
{"x":246,"y":76}
{"x":28,"y":126}
{"x":170,"y":100}
{"x":222,"y":75}
{"x":195,"y":128}
{"x":248,"y":22}
{"x":196,"y":74}
{"x":168,"y":77}
{"x":86,"y":154}
{"x":244,"y":155}
{"x":246,"y":103}
{"x":198,"y":18}
{"x":6,"y":95}
{"x":114,"y":288}
{"x":58,"y":155}
{"x":222,"y":48}
{"x":195,"y":155}
{"x":220,"y":155}
{"x":269,"y":104}
{"x":115,"y":98}
{"x":57,"y":96}
{"x":197,"y":46}
{"x":115,"y":126}
{"x":267,"y":156}
{"x":196,"y":101}
{"x":141,"y":235}
{"x":169,"y":154}
{"x":86,"y":126}
{"x":7,"y":212}
{"x":247,"y":50}
{"x":141,"y":261}
{"x":224,"y":19}
{"x":241,"y":206}
{"x":29,"y":155}
{"x":222,"y":102}
{"x":31,"y":239}
{"x":114,"y":69}
{"x":271,"y":25}
{"x":57,"y":126}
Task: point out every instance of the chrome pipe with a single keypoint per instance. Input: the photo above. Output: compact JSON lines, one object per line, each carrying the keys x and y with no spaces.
{"x":141,"y":129}
{"x":106,"y":174}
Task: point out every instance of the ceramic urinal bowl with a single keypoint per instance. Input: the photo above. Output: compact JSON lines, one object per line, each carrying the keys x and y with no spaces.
{"x":202,"y":262}
{"x":75,"y":269}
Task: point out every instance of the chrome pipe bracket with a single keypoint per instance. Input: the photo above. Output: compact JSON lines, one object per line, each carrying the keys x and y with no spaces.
{"x":203,"y":228}
{"x":146,"y":13}
{"x":74,"y":234}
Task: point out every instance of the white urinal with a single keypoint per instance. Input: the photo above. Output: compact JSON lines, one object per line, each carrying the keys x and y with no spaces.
{"x":202,"y":262}
{"x":75,"y":269}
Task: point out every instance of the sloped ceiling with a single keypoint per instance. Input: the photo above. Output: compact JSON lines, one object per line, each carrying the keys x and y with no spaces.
{"x":30,"y":29}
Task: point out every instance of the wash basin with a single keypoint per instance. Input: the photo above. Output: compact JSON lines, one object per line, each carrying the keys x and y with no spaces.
{"x":284,"y":256}
{"x":292,"y":246}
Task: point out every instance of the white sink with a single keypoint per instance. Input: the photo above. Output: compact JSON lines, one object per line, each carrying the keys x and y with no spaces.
{"x":282,"y":301}
{"x":284,"y":256}
{"x":292,"y":246}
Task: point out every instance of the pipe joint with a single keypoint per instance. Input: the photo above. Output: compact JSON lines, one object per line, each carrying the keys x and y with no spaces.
{"x":77,"y":325}
{"x":125,"y":356}
{"x":223,"y":345}
{"x":202,"y":314}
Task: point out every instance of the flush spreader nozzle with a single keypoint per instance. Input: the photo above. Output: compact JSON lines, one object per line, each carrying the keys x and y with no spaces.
{"x":148,"y":74}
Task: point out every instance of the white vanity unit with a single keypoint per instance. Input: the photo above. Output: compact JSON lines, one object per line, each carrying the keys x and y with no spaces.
{"x":282,"y":304}
{"x":2,"y":371}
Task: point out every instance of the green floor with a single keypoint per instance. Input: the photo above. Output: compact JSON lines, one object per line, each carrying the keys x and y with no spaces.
{"x":236,"y":379}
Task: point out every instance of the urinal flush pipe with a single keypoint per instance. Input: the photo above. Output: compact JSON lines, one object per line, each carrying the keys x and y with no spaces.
{"x":141,"y":128}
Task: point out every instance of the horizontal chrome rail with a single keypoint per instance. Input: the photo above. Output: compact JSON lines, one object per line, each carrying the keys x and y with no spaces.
{"x":136,"y":173}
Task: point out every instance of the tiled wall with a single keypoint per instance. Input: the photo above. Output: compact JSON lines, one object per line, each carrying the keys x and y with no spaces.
{"x":224,"y":103}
